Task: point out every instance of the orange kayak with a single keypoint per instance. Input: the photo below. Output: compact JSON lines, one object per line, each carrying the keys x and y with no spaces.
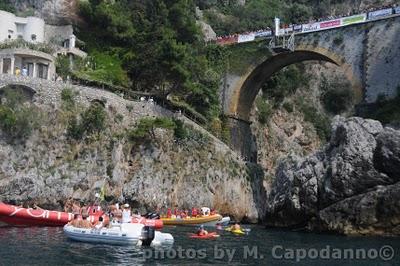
{"x":210,"y":235}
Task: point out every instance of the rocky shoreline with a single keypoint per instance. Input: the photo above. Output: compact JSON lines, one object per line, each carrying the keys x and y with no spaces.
{"x":349,"y":187}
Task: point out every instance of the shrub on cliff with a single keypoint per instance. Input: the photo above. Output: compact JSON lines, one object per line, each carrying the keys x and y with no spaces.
{"x":264,"y":110}
{"x":337,"y":96}
{"x":92,"y":120}
{"x":145,"y":128}
{"x":18,"y":118}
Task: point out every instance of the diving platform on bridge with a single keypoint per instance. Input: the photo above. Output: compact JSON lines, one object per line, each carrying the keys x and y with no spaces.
{"x":282,"y":44}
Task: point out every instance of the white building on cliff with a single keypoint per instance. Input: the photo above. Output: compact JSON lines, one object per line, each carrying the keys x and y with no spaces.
{"x":16,"y":33}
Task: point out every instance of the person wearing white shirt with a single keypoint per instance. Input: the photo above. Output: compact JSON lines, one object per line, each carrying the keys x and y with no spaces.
{"x":126,"y":214}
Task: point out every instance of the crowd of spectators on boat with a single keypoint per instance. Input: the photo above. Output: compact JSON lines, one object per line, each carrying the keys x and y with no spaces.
{"x":193,"y":213}
{"x":113,"y":214}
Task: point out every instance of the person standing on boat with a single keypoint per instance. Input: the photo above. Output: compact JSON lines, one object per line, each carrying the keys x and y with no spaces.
{"x":126,"y":214}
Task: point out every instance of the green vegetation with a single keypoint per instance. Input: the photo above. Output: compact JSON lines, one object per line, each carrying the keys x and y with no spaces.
{"x":264,"y":110}
{"x":320,"y":121}
{"x":5,"y":5}
{"x":145,"y":129}
{"x":337,"y":101}
{"x":17,"y":118}
{"x":68,"y":98}
{"x":338,"y":40}
{"x":337,"y":95}
{"x":157,"y":45}
{"x":20,"y":43}
{"x":92,"y":120}
{"x":239,"y":57}
{"x":285,"y":83}
{"x":386,"y":110}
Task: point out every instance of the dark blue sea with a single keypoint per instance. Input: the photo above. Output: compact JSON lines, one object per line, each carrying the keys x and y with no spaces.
{"x":49,"y":246}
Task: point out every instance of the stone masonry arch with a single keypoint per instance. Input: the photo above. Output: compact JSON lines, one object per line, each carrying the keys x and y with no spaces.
{"x":245,"y":90}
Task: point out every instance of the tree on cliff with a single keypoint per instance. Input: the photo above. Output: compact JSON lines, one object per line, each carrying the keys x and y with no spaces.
{"x":159,"y":44}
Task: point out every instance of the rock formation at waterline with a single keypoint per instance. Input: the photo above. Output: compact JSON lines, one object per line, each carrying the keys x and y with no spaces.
{"x":350,"y":187}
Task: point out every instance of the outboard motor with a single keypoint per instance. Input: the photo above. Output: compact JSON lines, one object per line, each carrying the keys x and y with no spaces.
{"x":154,"y":216}
{"x":148,"y":234}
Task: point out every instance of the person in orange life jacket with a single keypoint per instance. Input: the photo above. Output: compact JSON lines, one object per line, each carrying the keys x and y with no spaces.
{"x":201,"y":231}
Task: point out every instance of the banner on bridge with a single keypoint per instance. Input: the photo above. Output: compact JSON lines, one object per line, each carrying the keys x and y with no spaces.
{"x":380,"y":13}
{"x":246,"y":37}
{"x":297,"y":28}
{"x":397,"y":10}
{"x":227,"y":40}
{"x":354,"y":19}
{"x":263,"y":33}
{"x":310,"y":27}
{"x":330,"y":24}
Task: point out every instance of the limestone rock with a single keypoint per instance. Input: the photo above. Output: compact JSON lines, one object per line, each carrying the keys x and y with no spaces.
{"x":349,"y":187}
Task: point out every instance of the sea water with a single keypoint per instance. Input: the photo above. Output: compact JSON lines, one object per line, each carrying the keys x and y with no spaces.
{"x":49,"y":246}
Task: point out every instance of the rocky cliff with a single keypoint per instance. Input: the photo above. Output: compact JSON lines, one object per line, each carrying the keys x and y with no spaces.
{"x":56,"y":12}
{"x":351,"y":186}
{"x":48,"y":167}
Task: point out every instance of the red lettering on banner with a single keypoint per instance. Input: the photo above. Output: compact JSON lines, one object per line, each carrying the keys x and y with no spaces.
{"x":328,"y":24}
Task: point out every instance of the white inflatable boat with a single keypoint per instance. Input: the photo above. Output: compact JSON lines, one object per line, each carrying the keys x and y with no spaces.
{"x":120,"y":234}
{"x":224,"y":221}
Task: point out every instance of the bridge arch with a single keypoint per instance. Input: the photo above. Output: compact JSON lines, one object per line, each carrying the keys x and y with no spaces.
{"x":247,"y":88}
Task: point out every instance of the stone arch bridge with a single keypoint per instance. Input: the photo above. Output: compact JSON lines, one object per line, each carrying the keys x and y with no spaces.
{"x":367,"y":53}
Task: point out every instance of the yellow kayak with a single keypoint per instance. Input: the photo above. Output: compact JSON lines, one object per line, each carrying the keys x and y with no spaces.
{"x":210,"y":220}
{"x":236,"y":232}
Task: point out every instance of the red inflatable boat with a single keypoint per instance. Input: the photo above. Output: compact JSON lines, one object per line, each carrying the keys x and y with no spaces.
{"x":18,"y":216}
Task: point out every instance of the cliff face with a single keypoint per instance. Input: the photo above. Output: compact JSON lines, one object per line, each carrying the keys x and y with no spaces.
{"x":56,"y":12}
{"x":47,"y":168}
{"x":349,"y":187}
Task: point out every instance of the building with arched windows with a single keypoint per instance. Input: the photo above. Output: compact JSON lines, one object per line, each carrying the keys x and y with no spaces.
{"x":29,"y":46}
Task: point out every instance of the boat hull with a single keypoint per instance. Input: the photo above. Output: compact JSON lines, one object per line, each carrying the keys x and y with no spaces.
{"x":123,"y":235}
{"x":211,"y":220}
{"x":18,"y":216}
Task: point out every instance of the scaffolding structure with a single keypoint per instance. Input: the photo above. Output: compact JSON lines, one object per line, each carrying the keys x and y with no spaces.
{"x":282,"y":43}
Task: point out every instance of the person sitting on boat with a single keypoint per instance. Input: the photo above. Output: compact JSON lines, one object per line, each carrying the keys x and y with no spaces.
{"x":126,"y":214}
{"x":75,"y":222}
{"x":116,"y":214}
{"x":218,"y":226}
{"x":84,"y":211}
{"x":76,"y":209}
{"x":100,"y":223}
{"x":169,"y":213}
{"x":205,"y":211}
{"x":194,"y":212}
{"x":68,"y":206}
{"x":85,"y":223}
{"x":136,"y":215}
{"x":201,"y":231}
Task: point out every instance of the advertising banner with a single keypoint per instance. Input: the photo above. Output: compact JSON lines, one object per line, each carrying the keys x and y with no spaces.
{"x":297,"y":28}
{"x":330,"y":24}
{"x":354,"y":19}
{"x":263,"y":33}
{"x":380,"y":13}
{"x":397,"y":10}
{"x":227,"y":40}
{"x":246,"y":37}
{"x":310,"y":27}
